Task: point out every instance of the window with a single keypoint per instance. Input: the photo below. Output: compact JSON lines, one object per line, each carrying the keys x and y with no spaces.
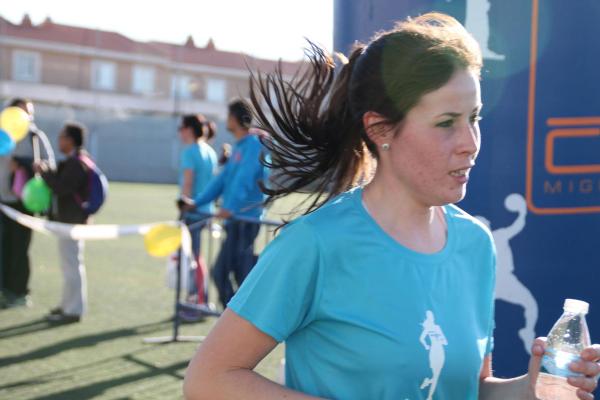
{"x":215,"y":90}
{"x":26,"y":66}
{"x":181,"y":87}
{"x":142,"y":80}
{"x":103,"y":75}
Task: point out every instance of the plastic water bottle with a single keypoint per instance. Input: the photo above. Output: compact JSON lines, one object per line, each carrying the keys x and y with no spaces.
{"x":567,"y":338}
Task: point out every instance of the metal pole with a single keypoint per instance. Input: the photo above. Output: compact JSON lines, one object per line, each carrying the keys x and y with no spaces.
{"x":178,"y":306}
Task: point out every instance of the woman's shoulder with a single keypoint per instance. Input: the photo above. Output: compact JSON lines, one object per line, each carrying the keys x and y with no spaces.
{"x":333,"y":215}
{"x":320,"y":231}
{"x":251,"y":143}
{"x":465,"y":223}
{"x":206,"y":148}
{"x":188,"y":149}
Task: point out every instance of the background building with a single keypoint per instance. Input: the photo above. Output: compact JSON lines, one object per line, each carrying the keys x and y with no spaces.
{"x":130,"y":94}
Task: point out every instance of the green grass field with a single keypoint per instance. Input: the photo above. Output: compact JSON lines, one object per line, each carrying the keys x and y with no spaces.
{"x":104,"y":357}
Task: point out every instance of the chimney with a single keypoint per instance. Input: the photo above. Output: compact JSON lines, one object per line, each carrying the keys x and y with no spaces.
{"x":26,"y":21}
{"x":189,"y":42}
{"x":210,"y":45}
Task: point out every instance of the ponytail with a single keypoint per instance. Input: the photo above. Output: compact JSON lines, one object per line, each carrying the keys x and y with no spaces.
{"x":315,"y":141}
{"x":210,"y":129}
{"x":200,"y":126}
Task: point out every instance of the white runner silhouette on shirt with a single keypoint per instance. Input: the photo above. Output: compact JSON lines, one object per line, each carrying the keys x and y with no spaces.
{"x":508,"y":286}
{"x":437,"y":356}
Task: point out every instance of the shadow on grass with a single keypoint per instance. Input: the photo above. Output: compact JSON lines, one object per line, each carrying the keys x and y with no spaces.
{"x":29,"y":327}
{"x":97,"y":388}
{"x":83,"y":341}
{"x":32,"y":382}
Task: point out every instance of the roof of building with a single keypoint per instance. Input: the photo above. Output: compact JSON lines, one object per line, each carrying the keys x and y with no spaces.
{"x":187,"y":53}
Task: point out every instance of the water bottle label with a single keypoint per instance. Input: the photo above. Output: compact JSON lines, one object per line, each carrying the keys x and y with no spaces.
{"x":557,"y":363}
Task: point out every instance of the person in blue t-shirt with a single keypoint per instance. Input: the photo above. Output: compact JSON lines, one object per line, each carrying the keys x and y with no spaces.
{"x":238,"y":184}
{"x":385,"y":290}
{"x":197,"y":166}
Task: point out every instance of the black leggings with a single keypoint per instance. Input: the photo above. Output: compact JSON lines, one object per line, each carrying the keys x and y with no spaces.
{"x":14,"y":254}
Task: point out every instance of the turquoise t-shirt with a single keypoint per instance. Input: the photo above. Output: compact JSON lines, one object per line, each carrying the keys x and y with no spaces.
{"x":202,"y":160}
{"x":239,"y":181}
{"x":364,"y":317}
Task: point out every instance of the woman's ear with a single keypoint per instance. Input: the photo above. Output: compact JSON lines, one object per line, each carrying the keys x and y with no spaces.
{"x":376,"y":128}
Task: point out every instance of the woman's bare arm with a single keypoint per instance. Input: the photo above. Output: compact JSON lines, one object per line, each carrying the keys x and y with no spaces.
{"x":223,"y":366}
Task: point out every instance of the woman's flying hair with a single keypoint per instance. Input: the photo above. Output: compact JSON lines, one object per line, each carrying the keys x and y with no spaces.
{"x":316,"y":139}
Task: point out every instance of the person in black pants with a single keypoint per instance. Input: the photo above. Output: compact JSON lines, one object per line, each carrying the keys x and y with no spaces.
{"x":236,"y":255}
{"x":15,"y":260}
{"x":16,"y":238}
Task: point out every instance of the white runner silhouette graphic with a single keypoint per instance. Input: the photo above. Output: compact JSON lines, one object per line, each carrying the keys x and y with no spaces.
{"x":508,"y":286}
{"x":478,"y":24}
{"x":437,"y":356}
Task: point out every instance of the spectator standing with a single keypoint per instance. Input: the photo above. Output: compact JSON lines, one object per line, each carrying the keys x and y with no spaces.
{"x":197,"y":166}
{"x":238,"y":184}
{"x":16,"y":238}
{"x":68,"y":184}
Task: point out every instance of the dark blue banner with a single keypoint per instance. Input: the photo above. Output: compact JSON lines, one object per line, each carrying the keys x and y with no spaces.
{"x":537,"y":179}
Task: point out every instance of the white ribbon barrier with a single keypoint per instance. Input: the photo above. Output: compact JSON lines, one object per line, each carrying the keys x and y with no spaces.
{"x":109,"y":232}
{"x":77,"y":232}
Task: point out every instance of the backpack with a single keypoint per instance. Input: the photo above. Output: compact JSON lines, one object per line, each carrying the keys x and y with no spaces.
{"x":96,"y":188}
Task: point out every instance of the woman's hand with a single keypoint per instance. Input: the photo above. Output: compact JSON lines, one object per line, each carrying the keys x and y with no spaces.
{"x":588,"y":366}
{"x":223,"y":213}
{"x":535,"y":362}
{"x":41,"y":167}
{"x":185,"y":203}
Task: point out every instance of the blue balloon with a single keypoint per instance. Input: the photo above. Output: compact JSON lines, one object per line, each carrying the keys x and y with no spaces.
{"x":7,"y":144}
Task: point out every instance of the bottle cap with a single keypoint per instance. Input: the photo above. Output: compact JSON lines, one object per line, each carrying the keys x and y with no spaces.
{"x":576,"y":306}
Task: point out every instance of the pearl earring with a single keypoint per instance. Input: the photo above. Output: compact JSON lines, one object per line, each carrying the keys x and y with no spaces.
{"x":385,"y":146}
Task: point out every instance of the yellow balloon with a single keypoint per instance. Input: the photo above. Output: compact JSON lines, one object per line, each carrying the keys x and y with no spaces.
{"x":162,"y":240}
{"x":15,"y":122}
